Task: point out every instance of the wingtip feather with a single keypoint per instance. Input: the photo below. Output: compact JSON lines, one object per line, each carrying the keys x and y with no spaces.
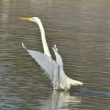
{"x":23,"y":45}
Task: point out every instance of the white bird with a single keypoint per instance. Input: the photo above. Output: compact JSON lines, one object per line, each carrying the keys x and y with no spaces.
{"x":53,"y":69}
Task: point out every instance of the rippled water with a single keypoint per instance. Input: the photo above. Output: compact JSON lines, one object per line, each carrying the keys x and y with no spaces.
{"x":80,"y":28}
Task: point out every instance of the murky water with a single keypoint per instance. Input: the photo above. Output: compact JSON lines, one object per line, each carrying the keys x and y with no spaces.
{"x":80,"y":28}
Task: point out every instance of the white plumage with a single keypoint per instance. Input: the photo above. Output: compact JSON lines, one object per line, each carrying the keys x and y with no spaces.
{"x":53,"y":69}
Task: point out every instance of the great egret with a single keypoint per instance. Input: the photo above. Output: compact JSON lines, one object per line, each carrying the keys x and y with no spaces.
{"x":53,"y":69}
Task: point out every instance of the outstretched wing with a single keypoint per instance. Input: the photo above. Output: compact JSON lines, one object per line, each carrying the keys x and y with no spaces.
{"x":47,"y":63}
{"x":58,"y":57}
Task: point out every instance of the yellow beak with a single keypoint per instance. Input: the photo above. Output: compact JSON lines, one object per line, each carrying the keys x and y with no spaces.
{"x":27,"y":19}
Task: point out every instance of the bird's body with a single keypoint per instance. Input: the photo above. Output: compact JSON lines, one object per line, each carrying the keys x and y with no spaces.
{"x":53,"y":69}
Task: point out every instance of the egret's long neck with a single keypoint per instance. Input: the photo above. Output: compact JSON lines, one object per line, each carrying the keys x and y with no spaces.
{"x":44,"y":42}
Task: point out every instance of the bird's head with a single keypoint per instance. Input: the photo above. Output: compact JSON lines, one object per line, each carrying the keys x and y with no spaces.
{"x":33,"y":19}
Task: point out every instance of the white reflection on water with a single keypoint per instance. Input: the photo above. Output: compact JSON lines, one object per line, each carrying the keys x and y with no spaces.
{"x":60,"y":101}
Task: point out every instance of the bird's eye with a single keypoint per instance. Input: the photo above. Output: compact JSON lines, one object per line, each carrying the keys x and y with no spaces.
{"x":32,"y":19}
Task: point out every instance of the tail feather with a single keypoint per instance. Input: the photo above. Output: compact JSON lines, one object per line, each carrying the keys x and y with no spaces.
{"x":74,"y":82}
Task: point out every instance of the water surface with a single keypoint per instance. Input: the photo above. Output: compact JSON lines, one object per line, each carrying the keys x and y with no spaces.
{"x":80,"y":29}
